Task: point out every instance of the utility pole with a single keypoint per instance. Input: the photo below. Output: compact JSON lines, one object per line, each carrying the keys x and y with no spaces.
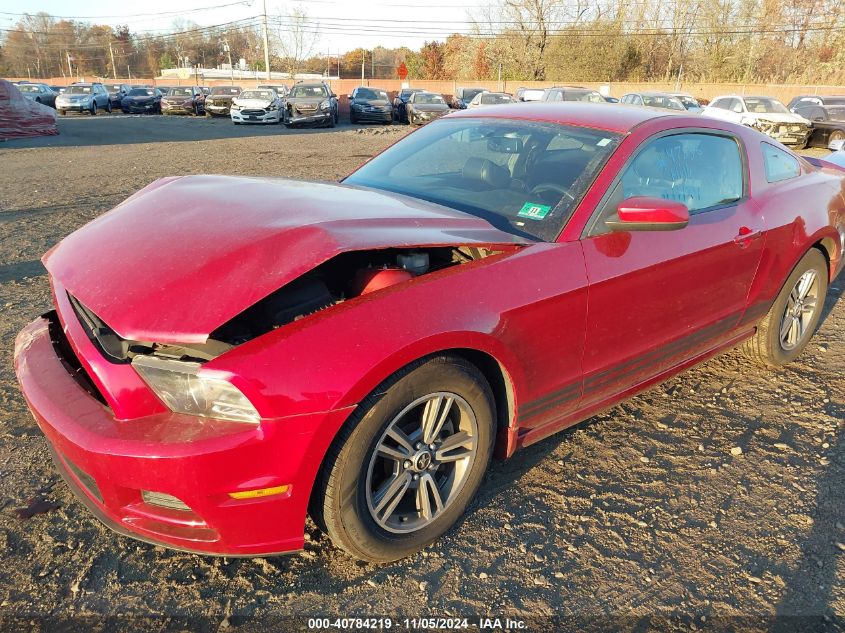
{"x":266,"y":44}
{"x":69,"y":69}
{"x":113,"y":67}
{"x":128,"y":72}
{"x":228,"y":51}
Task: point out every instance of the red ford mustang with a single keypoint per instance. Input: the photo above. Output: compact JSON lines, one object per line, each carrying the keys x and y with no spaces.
{"x":228,"y":354}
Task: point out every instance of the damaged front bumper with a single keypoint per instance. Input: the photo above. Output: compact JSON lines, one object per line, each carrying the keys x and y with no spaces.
{"x":256,"y":116}
{"x":169,"y":478}
{"x":786,"y":133}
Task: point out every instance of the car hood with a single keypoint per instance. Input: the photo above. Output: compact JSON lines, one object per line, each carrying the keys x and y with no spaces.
{"x":430,"y":107}
{"x":139,"y":98}
{"x":185,"y":255}
{"x":220,"y":97}
{"x":307,"y":100}
{"x":253,"y":103}
{"x":378,"y":103}
{"x":777,"y":117}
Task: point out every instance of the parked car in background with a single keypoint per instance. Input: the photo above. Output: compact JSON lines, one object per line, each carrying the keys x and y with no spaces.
{"x":311,"y":102}
{"x":206,"y":90}
{"x":142,"y":100}
{"x":183,"y":100}
{"x":84,"y":97}
{"x":653,"y":100}
{"x":370,"y":104}
{"x":529,"y":94}
{"x":117,"y":92}
{"x":225,"y":354}
{"x":828,"y":122}
{"x":690,"y":103}
{"x":463,"y":96}
{"x":490,"y":98}
{"x":610,"y":99}
{"x":257,"y":106}
{"x":58,"y":89}
{"x":40,"y":93}
{"x":400,"y":112}
{"x":822,"y":100}
{"x":423,"y":107}
{"x":281,"y":89}
{"x":219,"y":100}
{"x":766,"y":114}
{"x":572,"y":93}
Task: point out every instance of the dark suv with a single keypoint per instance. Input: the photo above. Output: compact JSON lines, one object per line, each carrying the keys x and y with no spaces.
{"x":183,"y":100}
{"x":311,"y":103}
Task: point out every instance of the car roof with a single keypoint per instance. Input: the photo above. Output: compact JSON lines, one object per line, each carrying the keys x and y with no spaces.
{"x":602,"y":116}
{"x":655,"y":93}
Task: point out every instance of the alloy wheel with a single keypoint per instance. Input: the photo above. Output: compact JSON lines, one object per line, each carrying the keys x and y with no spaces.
{"x":800,"y":309}
{"x":421,"y":462}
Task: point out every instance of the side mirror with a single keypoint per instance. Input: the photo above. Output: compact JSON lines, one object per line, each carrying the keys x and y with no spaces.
{"x":643,"y":213}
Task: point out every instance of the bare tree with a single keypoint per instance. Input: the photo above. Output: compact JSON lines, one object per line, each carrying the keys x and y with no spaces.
{"x":296,"y":38}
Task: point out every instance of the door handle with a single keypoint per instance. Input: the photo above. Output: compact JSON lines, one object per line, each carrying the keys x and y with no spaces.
{"x":745,"y":236}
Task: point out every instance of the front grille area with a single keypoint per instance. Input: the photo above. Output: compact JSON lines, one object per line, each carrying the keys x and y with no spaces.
{"x":69,"y":359}
{"x":253,"y":112}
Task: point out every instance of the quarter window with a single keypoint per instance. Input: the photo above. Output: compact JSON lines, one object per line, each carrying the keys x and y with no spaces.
{"x":780,"y":165}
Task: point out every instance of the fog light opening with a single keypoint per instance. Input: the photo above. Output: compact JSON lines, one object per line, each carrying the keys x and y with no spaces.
{"x":163,"y":500}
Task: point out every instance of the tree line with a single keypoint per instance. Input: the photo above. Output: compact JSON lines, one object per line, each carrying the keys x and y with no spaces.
{"x":777,"y":41}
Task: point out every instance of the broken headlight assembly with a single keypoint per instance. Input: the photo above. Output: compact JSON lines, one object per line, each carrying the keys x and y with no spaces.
{"x":326,"y":105}
{"x":180,"y":386}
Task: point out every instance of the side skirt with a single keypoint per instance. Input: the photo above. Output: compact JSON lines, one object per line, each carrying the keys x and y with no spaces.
{"x":574,"y":417}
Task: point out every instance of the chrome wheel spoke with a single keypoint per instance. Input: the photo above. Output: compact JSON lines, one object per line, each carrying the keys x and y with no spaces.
{"x":390,"y":494}
{"x":435,"y":414}
{"x":393,"y":454}
{"x":805,"y":283}
{"x":398,"y":436}
{"x":456,"y":447}
{"x":427,"y":492}
{"x":788,"y":321}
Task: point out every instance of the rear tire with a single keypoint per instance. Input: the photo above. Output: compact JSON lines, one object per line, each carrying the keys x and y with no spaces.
{"x":108,"y":107}
{"x":836,"y":135}
{"x":434,"y":481}
{"x":786,"y":330}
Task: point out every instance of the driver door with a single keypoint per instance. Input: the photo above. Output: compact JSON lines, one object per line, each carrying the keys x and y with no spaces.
{"x":657,"y":298}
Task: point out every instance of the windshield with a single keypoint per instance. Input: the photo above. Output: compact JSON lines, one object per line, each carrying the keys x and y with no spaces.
{"x":307,"y":92}
{"x":662,"y":101}
{"x":141,"y":92}
{"x":268,"y":95}
{"x":492,"y":97}
{"x":523,"y":177}
{"x":79,"y":90}
{"x":687,"y":102}
{"x":112,"y":87}
{"x":765,"y":105}
{"x":421,"y":97}
{"x":371,"y":95}
{"x":583,"y":95}
{"x":469,"y":93}
{"x":180,"y":92}
{"x":226,"y":90}
{"x":28,"y":88}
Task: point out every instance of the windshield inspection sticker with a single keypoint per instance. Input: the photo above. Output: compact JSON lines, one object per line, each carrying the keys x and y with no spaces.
{"x":534,"y":211}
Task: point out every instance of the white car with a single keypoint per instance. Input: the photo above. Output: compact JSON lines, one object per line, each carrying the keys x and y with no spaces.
{"x":256,"y":106}
{"x":490,"y":98}
{"x":766,"y":114}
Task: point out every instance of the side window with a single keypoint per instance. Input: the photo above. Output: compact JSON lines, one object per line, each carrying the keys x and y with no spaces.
{"x":718,"y":103}
{"x":638,"y":100}
{"x":780,"y":165}
{"x":697,"y":169}
{"x":736,"y":106}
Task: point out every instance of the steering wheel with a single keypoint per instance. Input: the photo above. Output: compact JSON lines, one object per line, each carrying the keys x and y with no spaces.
{"x":554,"y":187}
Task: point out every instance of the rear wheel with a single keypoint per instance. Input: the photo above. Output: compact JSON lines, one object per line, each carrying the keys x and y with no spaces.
{"x":108,"y":107}
{"x":836,"y":135}
{"x":785,"y":331}
{"x":402,"y":471}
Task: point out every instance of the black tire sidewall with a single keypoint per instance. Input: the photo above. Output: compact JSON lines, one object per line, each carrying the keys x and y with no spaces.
{"x":372,"y":540}
{"x":812,"y":260}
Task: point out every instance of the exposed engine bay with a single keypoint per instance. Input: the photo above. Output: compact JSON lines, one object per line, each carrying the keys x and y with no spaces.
{"x":339,"y":279}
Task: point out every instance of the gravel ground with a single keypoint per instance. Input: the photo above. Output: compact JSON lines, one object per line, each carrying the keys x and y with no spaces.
{"x":714,"y":501}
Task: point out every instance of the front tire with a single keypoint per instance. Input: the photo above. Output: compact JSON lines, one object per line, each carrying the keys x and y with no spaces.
{"x":790,"y":323}
{"x":403,"y":469}
{"x":93,"y":108}
{"x":108,"y":107}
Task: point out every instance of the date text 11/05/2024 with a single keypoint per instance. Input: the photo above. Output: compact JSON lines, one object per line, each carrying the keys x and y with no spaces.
{"x":411,"y":624}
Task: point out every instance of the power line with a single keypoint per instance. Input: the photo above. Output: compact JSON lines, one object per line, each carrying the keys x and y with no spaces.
{"x":133,"y":15}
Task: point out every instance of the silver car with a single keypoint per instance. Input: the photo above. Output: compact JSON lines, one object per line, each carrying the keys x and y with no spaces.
{"x":84,"y":97}
{"x":40,"y":93}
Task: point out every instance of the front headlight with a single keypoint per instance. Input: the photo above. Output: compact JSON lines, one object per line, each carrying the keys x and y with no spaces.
{"x":234,"y":106}
{"x":180,"y":387}
{"x":273,"y":106}
{"x":326,"y":105}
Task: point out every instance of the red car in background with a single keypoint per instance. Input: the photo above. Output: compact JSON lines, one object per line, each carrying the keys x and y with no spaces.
{"x":227,"y":353}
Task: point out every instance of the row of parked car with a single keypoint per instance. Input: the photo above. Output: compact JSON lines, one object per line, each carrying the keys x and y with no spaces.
{"x":808,"y":120}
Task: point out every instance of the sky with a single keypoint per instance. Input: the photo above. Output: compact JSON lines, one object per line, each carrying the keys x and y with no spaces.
{"x":343,"y":24}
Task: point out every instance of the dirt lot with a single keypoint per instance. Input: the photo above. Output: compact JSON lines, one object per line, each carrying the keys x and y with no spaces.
{"x":647,"y":517}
